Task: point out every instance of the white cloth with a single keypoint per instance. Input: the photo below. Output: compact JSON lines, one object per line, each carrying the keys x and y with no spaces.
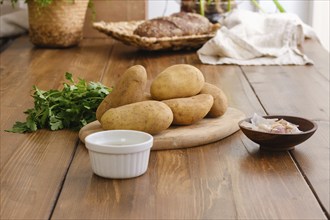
{"x":14,"y":23}
{"x":251,"y":38}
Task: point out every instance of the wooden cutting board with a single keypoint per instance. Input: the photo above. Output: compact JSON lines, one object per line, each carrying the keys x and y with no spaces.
{"x":203,"y":132}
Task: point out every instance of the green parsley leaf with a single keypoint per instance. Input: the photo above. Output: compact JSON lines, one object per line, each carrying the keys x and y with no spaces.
{"x":72,"y":107}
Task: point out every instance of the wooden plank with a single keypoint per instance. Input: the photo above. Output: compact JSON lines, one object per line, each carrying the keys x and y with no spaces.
{"x":32,"y":177}
{"x":29,"y":64}
{"x":313,"y":159}
{"x":302,"y":91}
{"x":291,"y":90}
{"x":11,"y":108}
{"x":319,"y":55}
{"x":217,"y":180}
{"x":226,"y":179}
{"x":112,"y":11}
{"x":34,"y":165}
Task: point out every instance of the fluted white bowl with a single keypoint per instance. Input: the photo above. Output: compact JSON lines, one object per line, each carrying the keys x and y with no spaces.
{"x":119,"y":154}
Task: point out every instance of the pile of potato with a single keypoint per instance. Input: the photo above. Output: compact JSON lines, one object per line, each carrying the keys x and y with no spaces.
{"x":179,"y":95}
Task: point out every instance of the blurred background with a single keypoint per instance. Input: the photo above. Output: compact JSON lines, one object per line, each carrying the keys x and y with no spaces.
{"x":313,"y":12}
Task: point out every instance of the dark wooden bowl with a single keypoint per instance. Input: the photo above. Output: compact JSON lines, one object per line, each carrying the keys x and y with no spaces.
{"x":279,"y":142}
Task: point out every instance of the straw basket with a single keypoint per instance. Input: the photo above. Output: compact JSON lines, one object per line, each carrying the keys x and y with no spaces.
{"x":58,"y":25}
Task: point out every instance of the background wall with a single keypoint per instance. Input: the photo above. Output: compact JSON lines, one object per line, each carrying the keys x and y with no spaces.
{"x":313,"y":12}
{"x":320,"y":20}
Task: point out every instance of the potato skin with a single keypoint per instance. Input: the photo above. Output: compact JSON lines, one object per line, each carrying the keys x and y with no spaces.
{"x":220,"y":104}
{"x":129,"y":89}
{"x":177,"y":81}
{"x":148,"y":116}
{"x":189,"y":110}
{"x":146,"y":97}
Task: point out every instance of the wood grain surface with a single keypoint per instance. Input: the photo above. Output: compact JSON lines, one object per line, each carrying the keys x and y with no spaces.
{"x":226,"y":179}
{"x":33,"y":166}
{"x":311,"y":85}
{"x":47,"y":175}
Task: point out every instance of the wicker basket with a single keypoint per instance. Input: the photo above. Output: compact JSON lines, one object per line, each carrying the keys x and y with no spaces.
{"x":58,"y":25}
{"x":123,"y":32}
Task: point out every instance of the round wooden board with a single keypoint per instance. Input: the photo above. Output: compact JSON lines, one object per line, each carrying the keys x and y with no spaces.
{"x":203,"y":132}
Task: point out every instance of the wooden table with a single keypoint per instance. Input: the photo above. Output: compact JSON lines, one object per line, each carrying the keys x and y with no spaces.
{"x":47,"y":174}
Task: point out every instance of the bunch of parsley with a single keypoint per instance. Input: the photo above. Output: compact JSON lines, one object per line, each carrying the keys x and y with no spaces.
{"x":72,"y":107}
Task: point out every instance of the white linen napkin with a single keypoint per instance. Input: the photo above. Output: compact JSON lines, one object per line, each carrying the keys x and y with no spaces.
{"x":251,"y":38}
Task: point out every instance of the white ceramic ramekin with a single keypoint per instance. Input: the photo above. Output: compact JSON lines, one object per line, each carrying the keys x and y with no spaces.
{"x":119,"y":154}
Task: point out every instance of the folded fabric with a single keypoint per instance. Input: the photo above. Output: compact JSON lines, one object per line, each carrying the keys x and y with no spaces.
{"x":251,"y":38}
{"x":14,"y":23}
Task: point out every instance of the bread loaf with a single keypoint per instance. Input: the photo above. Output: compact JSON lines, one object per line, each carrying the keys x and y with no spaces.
{"x":178,"y":24}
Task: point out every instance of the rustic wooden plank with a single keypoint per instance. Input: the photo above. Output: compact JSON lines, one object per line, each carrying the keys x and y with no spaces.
{"x":319,"y":55}
{"x":13,"y":62}
{"x":34,"y":165}
{"x":217,"y":180}
{"x":32,"y":177}
{"x":22,"y":66}
{"x":302,"y":91}
{"x":227,"y":179}
{"x":313,"y":159}
{"x":291,"y":90}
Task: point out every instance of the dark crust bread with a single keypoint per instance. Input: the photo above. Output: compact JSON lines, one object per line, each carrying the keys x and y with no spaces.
{"x":158,"y":28}
{"x":199,"y":24}
{"x":178,"y":24}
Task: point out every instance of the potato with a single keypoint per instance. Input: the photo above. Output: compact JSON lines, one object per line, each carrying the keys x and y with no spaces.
{"x":177,"y":81}
{"x":148,"y":116}
{"x":220,"y":104}
{"x":187,"y":111}
{"x":129,"y":89}
{"x":147,"y":97}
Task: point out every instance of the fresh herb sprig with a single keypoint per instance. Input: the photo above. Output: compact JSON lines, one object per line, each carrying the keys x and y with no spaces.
{"x":72,"y":107}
